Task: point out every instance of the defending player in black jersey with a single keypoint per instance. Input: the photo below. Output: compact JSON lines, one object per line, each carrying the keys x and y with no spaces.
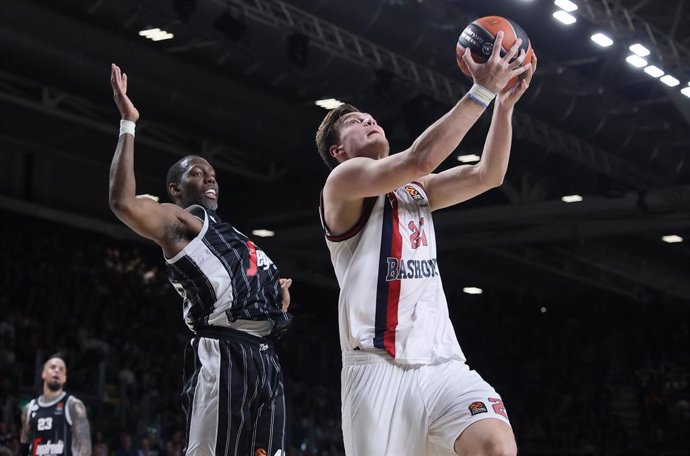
{"x":55,"y":423}
{"x":233,"y":300}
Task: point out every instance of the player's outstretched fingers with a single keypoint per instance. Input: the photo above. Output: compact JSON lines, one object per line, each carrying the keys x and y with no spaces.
{"x":513,"y":51}
{"x":498,"y":44}
{"x":469,"y":61}
{"x":518,"y":61}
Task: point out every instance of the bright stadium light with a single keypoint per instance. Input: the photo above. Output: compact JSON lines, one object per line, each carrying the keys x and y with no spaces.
{"x":571,"y":198}
{"x":564,"y":17}
{"x":636,"y":61}
{"x":156,"y":34}
{"x":263,"y":233}
{"x":654,"y":71}
{"x":640,"y":50}
{"x":602,"y":40}
{"x":149,"y":196}
{"x":328,"y":103}
{"x":472,"y":290}
{"x":468,"y":158}
{"x":672,"y":238}
{"x":685,"y":91}
{"x":669,"y":80}
{"x":566,"y":5}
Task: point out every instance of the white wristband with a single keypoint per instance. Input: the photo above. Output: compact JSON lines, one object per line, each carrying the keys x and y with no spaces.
{"x":481,"y":95}
{"x":127,"y":126}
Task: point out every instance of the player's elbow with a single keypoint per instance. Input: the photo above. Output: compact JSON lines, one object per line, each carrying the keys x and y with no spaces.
{"x":421,"y":164}
{"x":118,"y":204}
{"x":421,"y":157}
{"x":495,"y":181}
{"x":488,"y":179}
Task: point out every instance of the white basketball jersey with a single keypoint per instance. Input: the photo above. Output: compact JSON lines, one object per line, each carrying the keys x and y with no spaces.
{"x":391,"y":296}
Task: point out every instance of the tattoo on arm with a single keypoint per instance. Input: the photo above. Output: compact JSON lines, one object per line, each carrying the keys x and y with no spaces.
{"x":81,"y":433}
{"x":25,"y":436}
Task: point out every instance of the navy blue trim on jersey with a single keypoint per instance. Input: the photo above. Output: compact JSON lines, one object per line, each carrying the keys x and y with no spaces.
{"x":382,"y":283}
{"x":367,"y":208}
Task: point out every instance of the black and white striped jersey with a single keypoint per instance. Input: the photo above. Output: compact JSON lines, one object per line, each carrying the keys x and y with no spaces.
{"x":51,"y":427}
{"x":226,"y":280}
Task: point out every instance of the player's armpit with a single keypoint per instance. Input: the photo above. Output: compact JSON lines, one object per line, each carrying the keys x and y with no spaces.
{"x":81,"y":432}
{"x":149,"y":218}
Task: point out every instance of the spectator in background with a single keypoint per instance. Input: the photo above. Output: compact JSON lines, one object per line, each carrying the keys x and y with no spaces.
{"x":125,"y":448}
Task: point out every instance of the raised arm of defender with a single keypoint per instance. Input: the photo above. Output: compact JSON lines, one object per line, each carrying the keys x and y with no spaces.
{"x":166,"y":224}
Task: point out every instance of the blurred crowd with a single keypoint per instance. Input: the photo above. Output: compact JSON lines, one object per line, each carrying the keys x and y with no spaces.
{"x":595,"y":376}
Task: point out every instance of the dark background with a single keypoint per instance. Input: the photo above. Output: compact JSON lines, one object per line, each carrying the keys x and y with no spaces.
{"x":583,"y":323}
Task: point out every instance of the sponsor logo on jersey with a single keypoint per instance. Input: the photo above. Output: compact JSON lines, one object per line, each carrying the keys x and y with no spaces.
{"x":262,"y":260}
{"x":48,"y":448}
{"x":477,"y":407}
{"x":59,"y":407}
{"x":257,"y":259}
{"x":414,"y":193}
{"x":410,"y":269}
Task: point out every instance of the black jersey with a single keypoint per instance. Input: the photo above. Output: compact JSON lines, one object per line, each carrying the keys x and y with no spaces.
{"x":225,"y":279}
{"x":51,"y":427}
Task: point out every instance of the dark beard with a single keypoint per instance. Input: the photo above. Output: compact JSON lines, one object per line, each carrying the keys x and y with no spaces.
{"x":54,"y":386}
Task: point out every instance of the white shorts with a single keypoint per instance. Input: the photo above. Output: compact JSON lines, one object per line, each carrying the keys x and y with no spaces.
{"x":393,"y":410}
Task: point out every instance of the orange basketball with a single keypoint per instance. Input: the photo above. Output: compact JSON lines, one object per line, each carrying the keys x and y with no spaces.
{"x":480,"y":35}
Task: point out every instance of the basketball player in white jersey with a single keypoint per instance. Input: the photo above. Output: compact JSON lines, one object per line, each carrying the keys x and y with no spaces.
{"x":55,"y":422}
{"x":406,"y":389}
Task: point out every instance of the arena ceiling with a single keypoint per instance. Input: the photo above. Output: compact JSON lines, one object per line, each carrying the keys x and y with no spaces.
{"x":238,"y":82}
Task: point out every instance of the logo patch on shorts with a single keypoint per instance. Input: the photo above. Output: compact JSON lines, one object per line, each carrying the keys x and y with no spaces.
{"x":477,"y":407}
{"x":260,"y":452}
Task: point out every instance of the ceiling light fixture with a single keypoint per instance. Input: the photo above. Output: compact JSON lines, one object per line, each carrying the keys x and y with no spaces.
{"x":636,"y":61}
{"x":566,"y":5}
{"x":472,"y":290}
{"x":654,"y":71}
{"x":468,"y":158}
{"x":156,"y":34}
{"x":571,"y":199}
{"x":564,"y":17}
{"x":263,"y":233}
{"x":669,"y":80}
{"x":328,"y":103}
{"x":640,"y":50}
{"x":602,"y":40}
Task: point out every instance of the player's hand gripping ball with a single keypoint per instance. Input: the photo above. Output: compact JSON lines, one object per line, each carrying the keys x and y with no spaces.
{"x":480,"y":35}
